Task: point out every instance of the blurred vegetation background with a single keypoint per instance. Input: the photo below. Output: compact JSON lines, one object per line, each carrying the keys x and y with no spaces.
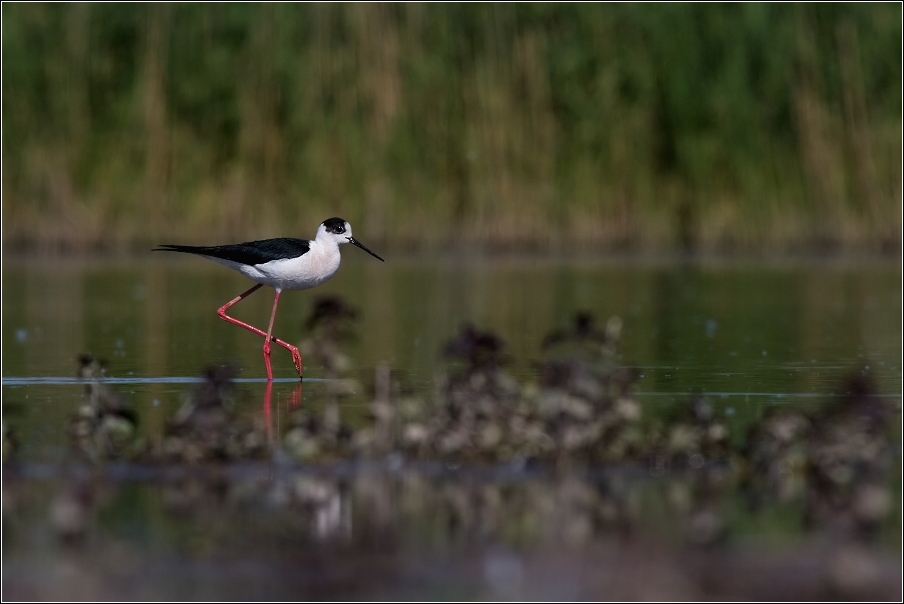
{"x":764,"y":127}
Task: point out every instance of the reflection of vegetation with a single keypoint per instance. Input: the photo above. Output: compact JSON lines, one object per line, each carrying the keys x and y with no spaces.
{"x":568,"y":459}
{"x":834,"y":465}
{"x":206,"y":428}
{"x":397,"y":534}
{"x":104,"y":427}
{"x":328,"y":329}
{"x":626,"y":124}
{"x":838,"y":461}
{"x":582,"y":410}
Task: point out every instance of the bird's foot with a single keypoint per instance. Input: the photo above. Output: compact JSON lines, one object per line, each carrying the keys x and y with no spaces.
{"x":296,"y":358}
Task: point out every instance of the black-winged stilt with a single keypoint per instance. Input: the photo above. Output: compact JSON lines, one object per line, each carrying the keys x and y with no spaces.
{"x":282,"y":263}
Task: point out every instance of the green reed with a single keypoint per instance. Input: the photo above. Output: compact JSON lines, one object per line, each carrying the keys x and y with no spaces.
{"x":553,"y":126}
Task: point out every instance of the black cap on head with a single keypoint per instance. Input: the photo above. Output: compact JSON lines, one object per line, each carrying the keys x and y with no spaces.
{"x":335,"y":225}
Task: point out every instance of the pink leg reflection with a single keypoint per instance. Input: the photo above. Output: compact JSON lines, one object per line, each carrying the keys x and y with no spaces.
{"x":294,"y":401}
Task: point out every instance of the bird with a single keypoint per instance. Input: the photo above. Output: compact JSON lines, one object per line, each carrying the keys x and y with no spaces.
{"x":284,"y":263}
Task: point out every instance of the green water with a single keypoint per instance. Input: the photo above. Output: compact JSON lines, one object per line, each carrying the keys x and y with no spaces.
{"x":749,"y":335}
{"x":773,"y":329}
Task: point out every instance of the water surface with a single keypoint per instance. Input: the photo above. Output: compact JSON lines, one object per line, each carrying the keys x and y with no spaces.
{"x":748,"y":335}
{"x":749,"y":332}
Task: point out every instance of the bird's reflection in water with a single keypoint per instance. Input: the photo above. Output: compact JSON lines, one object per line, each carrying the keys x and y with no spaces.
{"x":293,"y":401}
{"x":323,"y":498}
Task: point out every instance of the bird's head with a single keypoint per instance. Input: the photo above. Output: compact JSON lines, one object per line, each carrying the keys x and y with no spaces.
{"x":340,"y":231}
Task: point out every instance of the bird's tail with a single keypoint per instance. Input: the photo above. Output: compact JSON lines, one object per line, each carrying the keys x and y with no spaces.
{"x":188,"y":249}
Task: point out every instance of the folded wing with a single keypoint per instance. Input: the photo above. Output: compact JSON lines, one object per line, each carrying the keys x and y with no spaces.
{"x":251,"y":253}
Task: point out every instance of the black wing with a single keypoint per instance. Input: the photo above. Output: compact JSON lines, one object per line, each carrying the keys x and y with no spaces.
{"x":251,"y":252}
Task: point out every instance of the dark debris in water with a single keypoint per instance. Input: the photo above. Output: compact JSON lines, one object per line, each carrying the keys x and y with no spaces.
{"x":479,"y":350}
{"x":836,"y":463}
{"x":329,"y":326}
{"x":838,"y":460}
{"x":206,"y":427}
{"x":582,"y":330}
{"x":105,"y":425}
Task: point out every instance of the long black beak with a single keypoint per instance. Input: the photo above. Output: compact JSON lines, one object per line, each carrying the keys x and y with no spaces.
{"x":354,"y":241}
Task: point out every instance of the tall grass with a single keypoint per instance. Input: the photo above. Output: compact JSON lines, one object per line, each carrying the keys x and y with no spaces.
{"x":752,"y":126}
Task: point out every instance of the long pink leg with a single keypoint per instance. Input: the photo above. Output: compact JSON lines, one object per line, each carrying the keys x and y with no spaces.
{"x":296,"y":356}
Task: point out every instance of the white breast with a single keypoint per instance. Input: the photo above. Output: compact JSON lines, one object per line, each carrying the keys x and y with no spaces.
{"x":309,"y":270}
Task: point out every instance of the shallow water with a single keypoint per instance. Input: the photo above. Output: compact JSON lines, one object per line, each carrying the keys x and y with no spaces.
{"x":748,"y":335}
